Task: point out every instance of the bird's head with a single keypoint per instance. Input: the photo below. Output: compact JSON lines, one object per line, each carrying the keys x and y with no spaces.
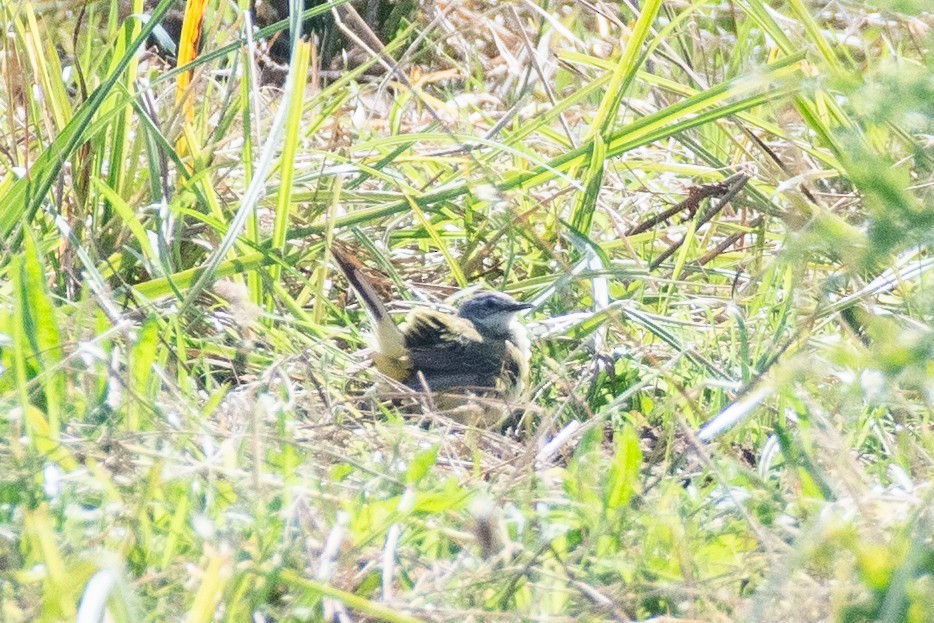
{"x":491,"y":312}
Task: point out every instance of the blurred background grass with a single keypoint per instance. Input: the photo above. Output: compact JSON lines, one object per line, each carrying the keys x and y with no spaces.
{"x":721,"y":212}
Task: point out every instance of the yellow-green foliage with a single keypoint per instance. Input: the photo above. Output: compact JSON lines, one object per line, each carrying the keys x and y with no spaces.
{"x":721,"y":212}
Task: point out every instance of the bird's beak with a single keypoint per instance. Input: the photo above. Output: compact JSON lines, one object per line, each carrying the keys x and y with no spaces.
{"x":520,"y":306}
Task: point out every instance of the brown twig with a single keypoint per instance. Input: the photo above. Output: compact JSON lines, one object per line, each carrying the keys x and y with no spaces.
{"x":724,"y":190}
{"x":727,"y":243}
{"x":695,"y":195}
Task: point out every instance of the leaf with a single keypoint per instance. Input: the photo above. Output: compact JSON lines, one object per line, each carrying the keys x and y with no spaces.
{"x":623,"y":479}
{"x":38,"y":328}
{"x":421,"y":464}
{"x":142,"y":358}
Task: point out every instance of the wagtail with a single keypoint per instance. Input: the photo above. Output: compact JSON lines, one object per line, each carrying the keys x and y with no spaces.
{"x":481,"y":351}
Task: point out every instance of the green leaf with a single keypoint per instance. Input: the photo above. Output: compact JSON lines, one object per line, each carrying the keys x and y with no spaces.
{"x":142,"y":358}
{"x":623,"y":479}
{"x":593,"y":184}
{"x":38,"y":328}
{"x":421,"y":464}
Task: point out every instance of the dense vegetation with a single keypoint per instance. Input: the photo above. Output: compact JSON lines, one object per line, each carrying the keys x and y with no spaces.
{"x":722,"y":213}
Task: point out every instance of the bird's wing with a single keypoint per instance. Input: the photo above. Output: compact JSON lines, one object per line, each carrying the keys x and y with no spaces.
{"x":427,"y":328}
{"x":448,"y":352}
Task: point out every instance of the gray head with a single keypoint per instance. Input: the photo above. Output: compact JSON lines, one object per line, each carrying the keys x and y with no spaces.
{"x":491,"y":312}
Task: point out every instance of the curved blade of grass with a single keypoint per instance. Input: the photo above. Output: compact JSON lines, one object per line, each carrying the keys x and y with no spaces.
{"x":355,"y":602}
{"x":128,"y":216}
{"x":625,"y":70}
{"x":162,"y":286}
{"x":292,"y":131}
{"x":456,"y":271}
{"x":582,"y":215}
{"x":684,"y":90}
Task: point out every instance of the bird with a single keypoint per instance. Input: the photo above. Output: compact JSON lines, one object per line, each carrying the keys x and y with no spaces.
{"x":481,"y":351}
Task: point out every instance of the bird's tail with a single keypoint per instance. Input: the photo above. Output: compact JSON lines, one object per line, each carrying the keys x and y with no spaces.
{"x":389,"y":340}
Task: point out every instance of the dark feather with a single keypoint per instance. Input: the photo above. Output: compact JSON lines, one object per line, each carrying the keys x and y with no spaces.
{"x":449,"y":352}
